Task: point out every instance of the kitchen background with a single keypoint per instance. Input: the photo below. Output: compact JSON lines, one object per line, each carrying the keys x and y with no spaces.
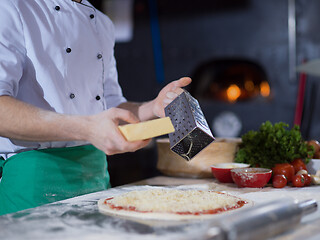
{"x":241,"y":55}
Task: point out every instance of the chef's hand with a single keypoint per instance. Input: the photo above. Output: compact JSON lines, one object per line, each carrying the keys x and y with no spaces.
{"x":168,"y":94}
{"x":105,"y":135}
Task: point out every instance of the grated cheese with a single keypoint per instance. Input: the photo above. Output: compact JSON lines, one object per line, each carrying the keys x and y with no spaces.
{"x":171,"y":200}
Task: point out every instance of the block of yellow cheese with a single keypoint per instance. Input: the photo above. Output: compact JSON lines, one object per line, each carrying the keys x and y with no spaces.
{"x":147,"y":129}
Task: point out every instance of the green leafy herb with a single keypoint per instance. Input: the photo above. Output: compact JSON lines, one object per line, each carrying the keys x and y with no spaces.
{"x":273,"y":144}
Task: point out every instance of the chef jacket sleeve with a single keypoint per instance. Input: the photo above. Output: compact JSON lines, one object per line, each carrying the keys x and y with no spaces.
{"x":112,"y":89}
{"x":12,"y":49}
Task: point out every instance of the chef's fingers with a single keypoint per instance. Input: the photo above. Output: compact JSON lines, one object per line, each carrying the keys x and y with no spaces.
{"x":171,"y":95}
{"x":121,"y":146}
{"x":118,"y":143}
{"x":134,"y":146}
{"x":178,"y":84}
{"x":175,"y":89}
{"x":166,"y":101}
{"x":124,"y":115}
{"x":168,"y":94}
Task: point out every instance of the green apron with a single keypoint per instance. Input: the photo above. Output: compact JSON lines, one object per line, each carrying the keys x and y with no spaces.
{"x":37,"y":177}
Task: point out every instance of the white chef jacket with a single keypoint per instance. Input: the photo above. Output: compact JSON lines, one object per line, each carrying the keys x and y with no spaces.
{"x":57,"y":55}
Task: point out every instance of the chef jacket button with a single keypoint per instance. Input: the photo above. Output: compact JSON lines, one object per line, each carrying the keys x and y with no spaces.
{"x":72,"y":96}
{"x":99,"y":56}
{"x":68,"y":50}
{"x":98,"y":98}
{"x":91,"y":16}
{"x":57,"y":8}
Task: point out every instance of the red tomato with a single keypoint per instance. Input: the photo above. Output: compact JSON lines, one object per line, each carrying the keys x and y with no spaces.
{"x":279,"y":181}
{"x":298,"y":164}
{"x":284,"y":168}
{"x":298,"y":181}
{"x":307,"y":179}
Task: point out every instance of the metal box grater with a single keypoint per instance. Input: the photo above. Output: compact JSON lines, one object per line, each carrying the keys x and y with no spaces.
{"x":192,"y":133}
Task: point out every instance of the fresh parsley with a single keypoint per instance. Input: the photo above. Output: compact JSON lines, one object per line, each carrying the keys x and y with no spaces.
{"x":273,"y":144}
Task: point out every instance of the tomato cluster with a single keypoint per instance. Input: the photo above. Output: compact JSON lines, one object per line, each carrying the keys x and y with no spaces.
{"x":294,"y":173}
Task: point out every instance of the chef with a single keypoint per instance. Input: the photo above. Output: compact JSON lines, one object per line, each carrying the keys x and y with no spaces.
{"x":60,"y":102}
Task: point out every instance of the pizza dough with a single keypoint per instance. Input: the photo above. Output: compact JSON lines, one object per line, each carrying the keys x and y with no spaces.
{"x":169,"y":204}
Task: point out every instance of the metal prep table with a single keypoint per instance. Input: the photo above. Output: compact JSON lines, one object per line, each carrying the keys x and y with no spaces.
{"x":78,"y":218}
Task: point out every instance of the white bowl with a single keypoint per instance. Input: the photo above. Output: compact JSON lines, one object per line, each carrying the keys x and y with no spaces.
{"x":313,"y":166}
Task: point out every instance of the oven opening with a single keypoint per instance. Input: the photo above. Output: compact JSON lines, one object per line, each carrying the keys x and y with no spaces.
{"x":230,"y":80}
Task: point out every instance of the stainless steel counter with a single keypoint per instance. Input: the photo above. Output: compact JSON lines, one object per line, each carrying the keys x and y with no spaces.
{"x":79,"y":218}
